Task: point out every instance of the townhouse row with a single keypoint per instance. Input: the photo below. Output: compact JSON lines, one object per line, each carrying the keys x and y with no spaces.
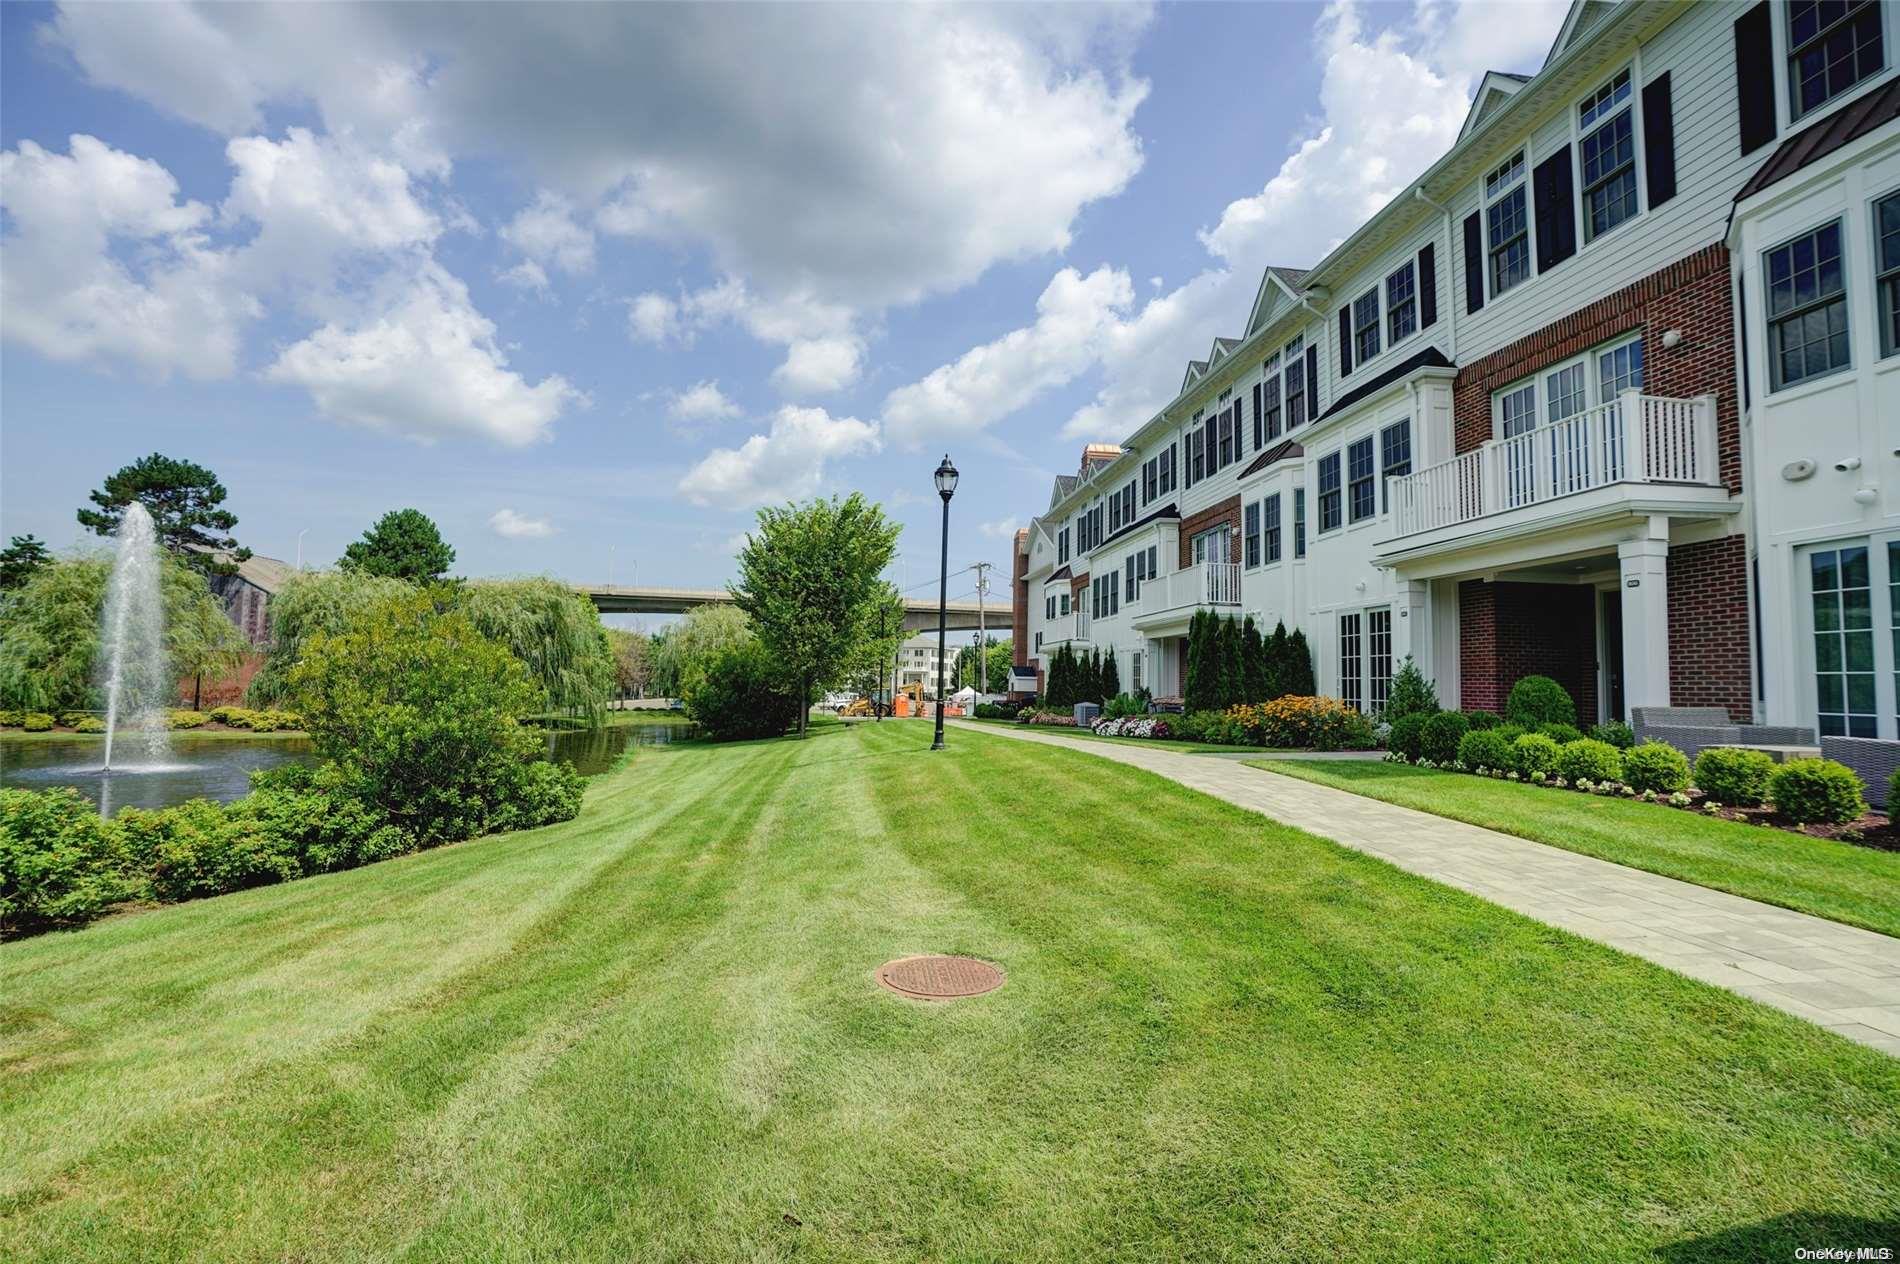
{"x":1611,"y":393}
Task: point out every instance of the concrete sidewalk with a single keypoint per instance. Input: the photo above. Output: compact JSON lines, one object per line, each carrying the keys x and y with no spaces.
{"x":1844,"y":978}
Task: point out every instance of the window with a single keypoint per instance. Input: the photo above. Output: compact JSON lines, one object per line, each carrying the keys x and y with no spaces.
{"x":1517,"y":411}
{"x":1807,"y":307}
{"x":1062,"y":546}
{"x":1049,"y":607}
{"x":1359,"y":480}
{"x":1299,"y":522}
{"x":1295,"y":384}
{"x":1130,"y":582}
{"x":1269,"y":400}
{"x":1887,"y":262}
{"x":1563,"y":393}
{"x":1270,"y":513}
{"x":1351,"y":689}
{"x":1507,"y":225}
{"x":1893,"y":626}
{"x":1223,"y":421}
{"x":1197,"y":454}
{"x":1134,"y":670}
{"x":1365,"y":325}
{"x":1619,"y":369}
{"x":1395,"y":454}
{"x":1842,"y":597}
{"x":1401,"y":304}
{"x":1252,"y":534}
{"x":1328,"y":492}
{"x":1832,"y":45}
{"x":1608,"y":151}
{"x":1039,"y":642}
{"x":1378,"y":658}
{"x":1064,"y":604}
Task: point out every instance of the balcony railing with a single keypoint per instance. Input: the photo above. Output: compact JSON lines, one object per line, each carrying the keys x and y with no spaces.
{"x":1674,"y":442}
{"x":1081,"y":624}
{"x":1205,"y":584}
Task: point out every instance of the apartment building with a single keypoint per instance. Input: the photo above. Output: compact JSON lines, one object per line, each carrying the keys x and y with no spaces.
{"x":1609,"y":394}
{"x":917,"y":660}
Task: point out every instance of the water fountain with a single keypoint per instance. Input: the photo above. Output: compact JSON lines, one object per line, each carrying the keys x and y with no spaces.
{"x":138,"y":680}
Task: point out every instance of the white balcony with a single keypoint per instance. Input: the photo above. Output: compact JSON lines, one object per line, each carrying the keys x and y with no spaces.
{"x":1078,"y":631}
{"x":1170,"y":599}
{"x":1641,"y":443}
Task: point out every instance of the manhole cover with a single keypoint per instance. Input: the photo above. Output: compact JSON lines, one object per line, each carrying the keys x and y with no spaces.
{"x":939,"y":978}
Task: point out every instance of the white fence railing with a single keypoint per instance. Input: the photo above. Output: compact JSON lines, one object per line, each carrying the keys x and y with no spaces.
{"x":1081,"y":624}
{"x":1674,"y":443}
{"x":1203,"y":584}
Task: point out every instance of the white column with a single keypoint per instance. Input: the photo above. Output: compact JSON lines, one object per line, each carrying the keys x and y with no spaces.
{"x":1645,"y":571}
{"x":1412,"y":625}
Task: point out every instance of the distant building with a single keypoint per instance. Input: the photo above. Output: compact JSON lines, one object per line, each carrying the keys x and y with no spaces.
{"x":917,"y":662}
{"x":247,"y":594}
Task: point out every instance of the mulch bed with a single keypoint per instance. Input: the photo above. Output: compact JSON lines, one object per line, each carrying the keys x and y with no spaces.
{"x":1873,"y":829}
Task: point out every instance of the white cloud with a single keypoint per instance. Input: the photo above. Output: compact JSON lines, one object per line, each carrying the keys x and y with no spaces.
{"x":653,"y":318}
{"x":788,"y":463}
{"x":819,"y":366}
{"x":423,"y":363}
{"x":547,"y":233}
{"x":506,"y":522}
{"x":1074,"y":315}
{"x":1000,"y":529}
{"x":526,"y":275}
{"x":103,"y":262}
{"x":702,"y":401}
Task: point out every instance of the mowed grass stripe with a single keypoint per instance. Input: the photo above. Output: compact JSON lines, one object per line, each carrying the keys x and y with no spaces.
{"x":1220,"y":1038}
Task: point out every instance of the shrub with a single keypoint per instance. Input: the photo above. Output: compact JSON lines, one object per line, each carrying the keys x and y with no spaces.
{"x":1135,"y":726}
{"x":182,"y":719}
{"x":318,"y":821}
{"x":1124,"y":704}
{"x":988,"y":711}
{"x":200,"y":848}
{"x":741,"y":695}
{"x":1485,"y":749}
{"x":73,"y":719}
{"x":1482,"y":719}
{"x":1442,"y":733}
{"x":1616,"y":733}
{"x":1410,"y":693}
{"x":1233,"y":727}
{"x":1816,"y":792}
{"x":543,"y":793}
{"x":1562,"y":734}
{"x":9,"y":719}
{"x":1588,"y":760}
{"x":1302,"y":722}
{"x":1655,"y":766}
{"x":90,"y":724}
{"x":1533,"y":754}
{"x":60,"y":862}
{"x":1738,"y":778}
{"x":1407,"y":733}
{"x":222,"y":715}
{"x":36,"y":722}
{"x":1893,"y":794}
{"x":1538,"y":700}
{"x":270,"y":721}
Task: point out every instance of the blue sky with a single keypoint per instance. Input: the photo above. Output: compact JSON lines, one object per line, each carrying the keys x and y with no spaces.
{"x":589,"y":284}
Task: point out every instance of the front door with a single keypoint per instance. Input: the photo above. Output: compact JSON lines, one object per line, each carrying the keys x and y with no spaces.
{"x":1612,"y":656}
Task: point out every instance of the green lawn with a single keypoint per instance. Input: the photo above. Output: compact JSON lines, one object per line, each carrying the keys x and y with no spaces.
{"x":1180,"y":748}
{"x":1856,"y":885}
{"x":652,"y":1034}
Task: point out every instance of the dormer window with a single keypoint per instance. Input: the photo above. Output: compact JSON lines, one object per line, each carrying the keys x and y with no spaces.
{"x":1365,"y":325}
{"x":1831,"y":47}
{"x":1608,"y":151}
{"x":1507,"y":226}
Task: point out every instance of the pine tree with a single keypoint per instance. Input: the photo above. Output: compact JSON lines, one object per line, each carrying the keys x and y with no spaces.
{"x":1092,"y":679}
{"x":1055,"y":689}
{"x":1411,"y":693}
{"x":1299,"y":666}
{"x":1276,"y":661}
{"x":1111,"y":677}
{"x":1233,"y":665}
{"x":1194,"y":687}
{"x":1253,"y":653}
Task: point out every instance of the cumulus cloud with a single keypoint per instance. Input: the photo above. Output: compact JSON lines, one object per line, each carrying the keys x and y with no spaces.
{"x":820,"y":366}
{"x":423,"y":363}
{"x":786,"y":463}
{"x":701,"y":402}
{"x":506,"y":522}
{"x":547,"y":233}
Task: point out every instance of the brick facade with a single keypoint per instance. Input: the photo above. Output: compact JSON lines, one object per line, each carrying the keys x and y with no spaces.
{"x":1227,"y":511}
{"x":1019,"y":600}
{"x":1509,"y":631}
{"x":1690,"y":295}
{"x":1708,"y":627}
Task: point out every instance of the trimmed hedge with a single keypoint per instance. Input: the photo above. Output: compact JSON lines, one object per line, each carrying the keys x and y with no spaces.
{"x":1407,"y":732}
{"x":1816,"y":792}
{"x":1655,"y":766}
{"x":1482,"y":750}
{"x":1589,"y":760}
{"x":1538,"y":700}
{"x":1443,"y":732}
{"x":1738,"y":778}
{"x":1534,"y":753}
{"x":1616,"y":733}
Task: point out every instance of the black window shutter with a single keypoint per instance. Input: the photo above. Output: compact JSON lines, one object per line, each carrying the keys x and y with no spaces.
{"x":1474,"y":263}
{"x":1659,"y":140}
{"x":1345,"y":340}
{"x":1554,"y":192}
{"x":1755,"y":77}
{"x":1427,"y":287}
{"x":1312,"y":381}
{"x":1259,"y":417}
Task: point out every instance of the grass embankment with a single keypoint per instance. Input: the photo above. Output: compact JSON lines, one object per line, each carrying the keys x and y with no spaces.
{"x":652,"y":1033}
{"x":1179,"y":747}
{"x":1856,"y":885}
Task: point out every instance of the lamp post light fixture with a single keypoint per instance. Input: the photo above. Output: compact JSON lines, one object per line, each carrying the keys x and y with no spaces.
{"x":946,"y":487}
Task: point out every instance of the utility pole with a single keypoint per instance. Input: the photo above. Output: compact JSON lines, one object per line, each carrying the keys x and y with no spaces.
{"x":982,"y":656}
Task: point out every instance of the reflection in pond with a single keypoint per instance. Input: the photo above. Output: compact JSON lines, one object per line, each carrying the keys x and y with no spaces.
{"x":220,"y":768}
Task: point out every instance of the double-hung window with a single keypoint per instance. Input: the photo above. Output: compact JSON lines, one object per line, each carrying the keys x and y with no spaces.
{"x":1049,"y":607}
{"x":1251,"y":536}
{"x":1223,"y":425}
{"x":1832,"y":45}
{"x":1270,"y":514}
{"x":1395,"y":454}
{"x":1401,"y":304}
{"x":1619,"y":369}
{"x":1507,"y":226}
{"x":1299,"y":522}
{"x":1329,"y":493}
{"x":1887,"y":262}
{"x":1294,"y":355}
{"x":1365,"y":325}
{"x":1807,"y":307}
{"x":1130,"y":580}
{"x":1267,"y":425}
{"x":1062,"y":546}
{"x":1361,"y":497}
{"x":1608,"y":151}
{"x":1197,"y":452}
{"x":1063,"y":605}
{"x":1150,"y":470}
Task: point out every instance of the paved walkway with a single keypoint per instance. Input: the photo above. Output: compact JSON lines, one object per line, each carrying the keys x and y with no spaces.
{"x":1844,"y":978}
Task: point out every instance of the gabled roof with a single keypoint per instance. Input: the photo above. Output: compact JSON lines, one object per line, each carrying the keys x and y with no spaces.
{"x":1195,"y":370}
{"x":1429,"y":358}
{"x":1065,"y":483}
{"x":1273,"y":280}
{"x":1284,"y":450}
{"x":1497,"y":87}
{"x":1583,"y":15}
{"x":1816,"y":141}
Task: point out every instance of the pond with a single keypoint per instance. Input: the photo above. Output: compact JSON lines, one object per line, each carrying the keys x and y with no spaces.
{"x":202,"y":766}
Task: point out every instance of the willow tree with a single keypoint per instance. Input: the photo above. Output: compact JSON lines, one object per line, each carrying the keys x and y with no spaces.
{"x":308,"y":603}
{"x":682,"y":652}
{"x":555,"y":632}
{"x":808,"y":580}
{"x":50,"y":633}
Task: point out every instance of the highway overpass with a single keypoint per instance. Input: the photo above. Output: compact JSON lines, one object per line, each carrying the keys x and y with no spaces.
{"x":920,"y":614}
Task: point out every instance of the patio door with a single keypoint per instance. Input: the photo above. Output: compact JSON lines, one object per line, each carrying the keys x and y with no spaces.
{"x":1518,"y":416}
{"x":1216,"y":545}
{"x":1611,"y":640}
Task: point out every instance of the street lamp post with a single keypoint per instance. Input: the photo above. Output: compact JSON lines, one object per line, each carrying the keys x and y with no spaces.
{"x":946,"y":488}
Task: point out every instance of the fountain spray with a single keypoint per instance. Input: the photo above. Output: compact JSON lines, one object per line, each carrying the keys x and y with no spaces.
{"x":138,"y":679}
